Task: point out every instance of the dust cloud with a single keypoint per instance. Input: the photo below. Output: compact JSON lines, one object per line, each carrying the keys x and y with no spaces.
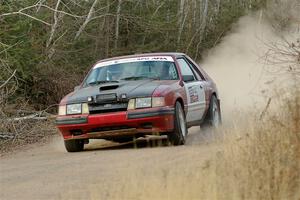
{"x":239,"y":68}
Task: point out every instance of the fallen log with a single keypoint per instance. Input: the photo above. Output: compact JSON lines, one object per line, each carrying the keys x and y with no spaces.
{"x":28,"y":117}
{"x":6,"y":136}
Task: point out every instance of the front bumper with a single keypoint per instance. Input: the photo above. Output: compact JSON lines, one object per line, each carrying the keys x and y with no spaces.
{"x":124,"y":123}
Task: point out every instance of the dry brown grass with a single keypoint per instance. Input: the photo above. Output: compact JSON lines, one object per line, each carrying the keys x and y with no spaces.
{"x":262,"y":160}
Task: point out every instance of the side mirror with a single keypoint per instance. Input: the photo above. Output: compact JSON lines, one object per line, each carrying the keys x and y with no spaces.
{"x":188,"y":78}
{"x":76,"y":87}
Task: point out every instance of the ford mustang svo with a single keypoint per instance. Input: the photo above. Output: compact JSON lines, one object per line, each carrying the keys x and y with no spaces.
{"x":133,"y":96}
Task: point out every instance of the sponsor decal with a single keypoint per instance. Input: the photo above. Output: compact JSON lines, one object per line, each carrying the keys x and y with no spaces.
{"x":135,"y":59}
{"x":194,"y":97}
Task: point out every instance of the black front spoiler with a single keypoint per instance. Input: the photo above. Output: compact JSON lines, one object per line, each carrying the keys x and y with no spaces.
{"x":66,"y":121}
{"x":144,"y":114}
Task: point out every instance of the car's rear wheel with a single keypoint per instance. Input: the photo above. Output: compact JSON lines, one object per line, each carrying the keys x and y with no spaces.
{"x":177,"y":137}
{"x":74,"y":145}
{"x":213,"y":116}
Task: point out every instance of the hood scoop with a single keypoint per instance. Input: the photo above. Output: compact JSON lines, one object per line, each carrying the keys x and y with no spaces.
{"x":108,"y":87}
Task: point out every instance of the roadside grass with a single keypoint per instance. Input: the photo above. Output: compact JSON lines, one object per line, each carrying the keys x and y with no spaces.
{"x":262,"y":160}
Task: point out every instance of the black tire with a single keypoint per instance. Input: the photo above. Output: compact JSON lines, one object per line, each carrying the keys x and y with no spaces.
{"x":177,"y":137}
{"x":74,"y":145}
{"x":213,"y":115}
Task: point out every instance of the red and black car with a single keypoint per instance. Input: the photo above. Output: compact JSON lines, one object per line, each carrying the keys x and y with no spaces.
{"x":133,"y":96}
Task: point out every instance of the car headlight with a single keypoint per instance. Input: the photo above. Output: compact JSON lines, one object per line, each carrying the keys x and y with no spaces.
{"x":143,"y":102}
{"x":146,"y":102}
{"x":74,"y":109}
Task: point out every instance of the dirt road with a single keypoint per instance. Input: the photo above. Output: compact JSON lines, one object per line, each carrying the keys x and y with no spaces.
{"x":49,"y":172}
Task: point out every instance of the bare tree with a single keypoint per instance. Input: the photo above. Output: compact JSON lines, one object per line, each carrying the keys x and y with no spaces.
{"x":87,"y":19}
{"x":283,"y":56}
{"x":54,"y":25}
{"x":8,"y":84}
{"x":181,"y":20}
{"x":217,"y":7}
{"x":202,"y":26}
{"x":194,"y":7}
{"x":117,"y":23}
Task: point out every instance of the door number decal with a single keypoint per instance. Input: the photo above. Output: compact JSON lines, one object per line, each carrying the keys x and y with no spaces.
{"x":194,"y":96}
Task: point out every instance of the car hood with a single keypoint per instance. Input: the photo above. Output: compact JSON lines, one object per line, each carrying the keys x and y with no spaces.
{"x":132,"y":89}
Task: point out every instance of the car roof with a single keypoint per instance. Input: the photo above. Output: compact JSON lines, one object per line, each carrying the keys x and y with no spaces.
{"x":173,"y":54}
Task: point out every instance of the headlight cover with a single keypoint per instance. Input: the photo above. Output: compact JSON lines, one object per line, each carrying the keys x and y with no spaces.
{"x":143,"y":102}
{"x":74,"y":109}
{"x":146,"y":102}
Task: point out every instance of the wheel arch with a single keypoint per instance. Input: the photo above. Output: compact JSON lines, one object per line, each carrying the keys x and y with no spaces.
{"x":218,"y":99}
{"x":214,"y":94}
{"x":180,"y":100}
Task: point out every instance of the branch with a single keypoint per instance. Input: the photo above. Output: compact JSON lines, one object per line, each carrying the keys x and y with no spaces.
{"x":20,"y":12}
{"x":39,"y":5}
{"x":6,"y":135}
{"x":13,"y":74}
{"x":9,"y":46}
{"x":265,"y":110}
{"x":63,"y":12}
{"x":29,"y":117}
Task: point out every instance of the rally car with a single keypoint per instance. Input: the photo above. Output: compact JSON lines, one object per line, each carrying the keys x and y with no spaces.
{"x":133,"y":96}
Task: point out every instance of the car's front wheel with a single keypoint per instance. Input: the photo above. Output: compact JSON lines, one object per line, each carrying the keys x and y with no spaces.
{"x":177,"y":137}
{"x":74,"y":145}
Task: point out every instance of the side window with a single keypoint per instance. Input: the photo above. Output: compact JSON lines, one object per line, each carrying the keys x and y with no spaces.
{"x":185,"y":68}
{"x":196,"y":70}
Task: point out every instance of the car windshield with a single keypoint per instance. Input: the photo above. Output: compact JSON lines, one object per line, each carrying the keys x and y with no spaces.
{"x":160,"y":70}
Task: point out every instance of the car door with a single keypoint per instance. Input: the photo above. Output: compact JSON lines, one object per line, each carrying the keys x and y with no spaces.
{"x":194,"y":91}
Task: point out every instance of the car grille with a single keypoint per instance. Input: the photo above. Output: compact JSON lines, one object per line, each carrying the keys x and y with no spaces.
{"x":106,"y":98}
{"x":107,"y":108}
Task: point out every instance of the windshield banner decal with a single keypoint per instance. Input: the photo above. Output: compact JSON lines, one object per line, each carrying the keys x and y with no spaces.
{"x":135,"y":59}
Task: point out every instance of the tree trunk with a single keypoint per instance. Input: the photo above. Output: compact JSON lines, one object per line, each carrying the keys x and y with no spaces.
{"x":117,"y":23}
{"x":217,"y":9}
{"x":202,"y":26}
{"x":180,"y":20}
{"x":107,"y":31}
{"x":87,"y":19}
{"x":194,"y":7}
{"x":54,"y":25}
